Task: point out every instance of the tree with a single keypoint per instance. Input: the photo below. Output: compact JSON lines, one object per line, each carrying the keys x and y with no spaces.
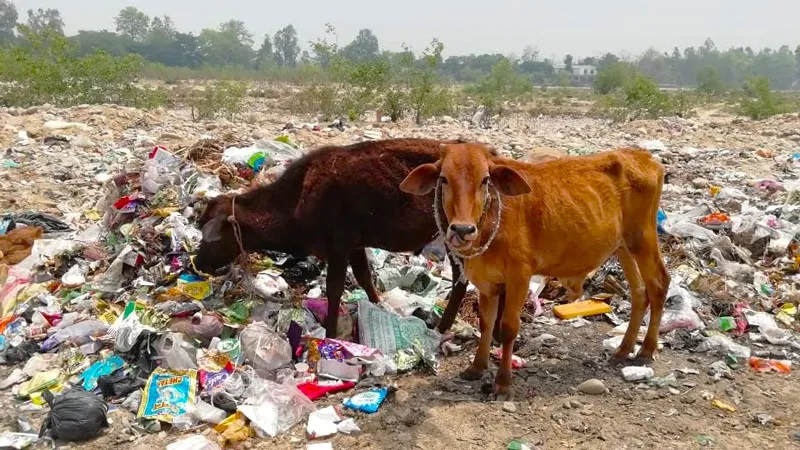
{"x":8,"y":21}
{"x":286,"y":47}
{"x":364,"y":47}
{"x":133,"y":24}
{"x":612,"y":77}
{"x":188,"y":46}
{"x":162,"y":27}
{"x":568,"y":63}
{"x":237,"y":31}
{"x":709,"y":81}
{"x":530,"y":54}
{"x":607,"y":60}
{"x":42,"y":19}
{"x":265,"y":54}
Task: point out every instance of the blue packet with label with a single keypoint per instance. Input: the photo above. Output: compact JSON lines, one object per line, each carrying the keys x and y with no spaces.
{"x":368,"y":402}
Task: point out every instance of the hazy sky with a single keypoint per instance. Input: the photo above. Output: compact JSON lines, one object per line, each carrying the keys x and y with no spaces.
{"x":579,"y":27}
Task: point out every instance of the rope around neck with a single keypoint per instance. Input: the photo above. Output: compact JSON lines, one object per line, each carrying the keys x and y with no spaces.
{"x":437,"y":214}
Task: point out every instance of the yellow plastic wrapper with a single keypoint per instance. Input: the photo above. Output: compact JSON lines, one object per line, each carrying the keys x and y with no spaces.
{"x":234,"y":429}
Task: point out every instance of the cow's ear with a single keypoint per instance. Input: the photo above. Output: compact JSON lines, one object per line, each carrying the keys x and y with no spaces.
{"x":212,"y":230}
{"x":421,"y":180}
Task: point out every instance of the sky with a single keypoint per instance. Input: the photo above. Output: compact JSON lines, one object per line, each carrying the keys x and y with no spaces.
{"x":578,"y":27}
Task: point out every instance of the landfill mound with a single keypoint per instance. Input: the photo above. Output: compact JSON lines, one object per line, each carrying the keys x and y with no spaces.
{"x":109,"y":335}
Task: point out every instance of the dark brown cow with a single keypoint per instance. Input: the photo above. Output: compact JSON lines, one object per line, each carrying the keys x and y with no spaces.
{"x":332,"y":203}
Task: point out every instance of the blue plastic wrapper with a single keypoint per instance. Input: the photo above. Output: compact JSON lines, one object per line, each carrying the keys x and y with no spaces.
{"x":367,"y":402}
{"x":660,"y":218}
{"x":104,"y":367}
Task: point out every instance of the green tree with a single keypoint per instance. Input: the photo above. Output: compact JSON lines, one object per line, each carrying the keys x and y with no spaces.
{"x":231,"y":45}
{"x":424,"y":97}
{"x":286,"y":47}
{"x":133,"y":24}
{"x":364,"y":47}
{"x":237,"y":31}
{"x":709,"y":81}
{"x":42,"y":19}
{"x":8,"y":21}
{"x":758,"y":101}
{"x":265,"y":55}
{"x":612,"y":76}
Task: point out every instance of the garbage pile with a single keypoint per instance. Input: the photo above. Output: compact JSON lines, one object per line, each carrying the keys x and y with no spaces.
{"x":109,"y":317}
{"x":114,"y":317}
{"x":732,"y":245}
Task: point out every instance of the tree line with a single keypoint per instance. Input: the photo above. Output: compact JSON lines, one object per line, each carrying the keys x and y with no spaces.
{"x":232,"y":45}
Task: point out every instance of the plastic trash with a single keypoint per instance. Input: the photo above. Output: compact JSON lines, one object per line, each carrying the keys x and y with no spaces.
{"x":388,"y":333}
{"x":581,"y":309}
{"x":202,"y":327}
{"x":39,"y":382}
{"x":268,"y":284}
{"x":267,"y":350}
{"x":160,"y":169}
{"x":637,"y":373}
{"x":107,"y":366}
{"x":194,"y":442}
{"x":776,"y":336}
{"x":276,"y":407}
{"x":167,"y":394}
{"x":730,"y":269}
{"x":317,"y":389}
{"x":770,"y":365}
{"x":724,"y":346}
{"x":75,"y":416}
{"x":367,"y":402}
{"x":17,"y":441}
{"x":322,"y":423}
{"x":679,"y":312}
{"x":685,"y":228}
{"x":204,"y":412}
{"x":176,"y":353}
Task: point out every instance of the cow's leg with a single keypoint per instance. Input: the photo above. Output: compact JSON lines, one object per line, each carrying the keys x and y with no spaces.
{"x":516,"y":294}
{"x":488,"y":314}
{"x":656,"y":280}
{"x":360,"y":266}
{"x":334,"y":283}
{"x":454,"y":300}
{"x":638,"y":305}
{"x":497,"y":334}
{"x":574,"y":287}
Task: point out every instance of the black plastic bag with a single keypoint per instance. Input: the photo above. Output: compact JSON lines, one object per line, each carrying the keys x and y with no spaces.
{"x":119,"y":384}
{"x":18,"y":354}
{"x":143,"y":355}
{"x":35,"y":219}
{"x":74,"y":416}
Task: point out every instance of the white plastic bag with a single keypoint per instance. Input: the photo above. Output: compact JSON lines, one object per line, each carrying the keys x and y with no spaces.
{"x":175,"y":353}
{"x":277,"y":408}
{"x":265,"y":349}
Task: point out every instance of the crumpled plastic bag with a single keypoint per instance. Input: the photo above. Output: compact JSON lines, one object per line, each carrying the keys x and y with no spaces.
{"x":74,"y":416}
{"x":266,"y":349}
{"x":396,"y":336}
{"x":276,"y":408}
{"x":679,"y":312}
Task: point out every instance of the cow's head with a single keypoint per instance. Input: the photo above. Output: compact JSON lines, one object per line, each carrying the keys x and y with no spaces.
{"x":466,"y":171}
{"x":219,"y":246}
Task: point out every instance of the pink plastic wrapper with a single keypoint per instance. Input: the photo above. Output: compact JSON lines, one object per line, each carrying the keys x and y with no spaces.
{"x":516,"y":361}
